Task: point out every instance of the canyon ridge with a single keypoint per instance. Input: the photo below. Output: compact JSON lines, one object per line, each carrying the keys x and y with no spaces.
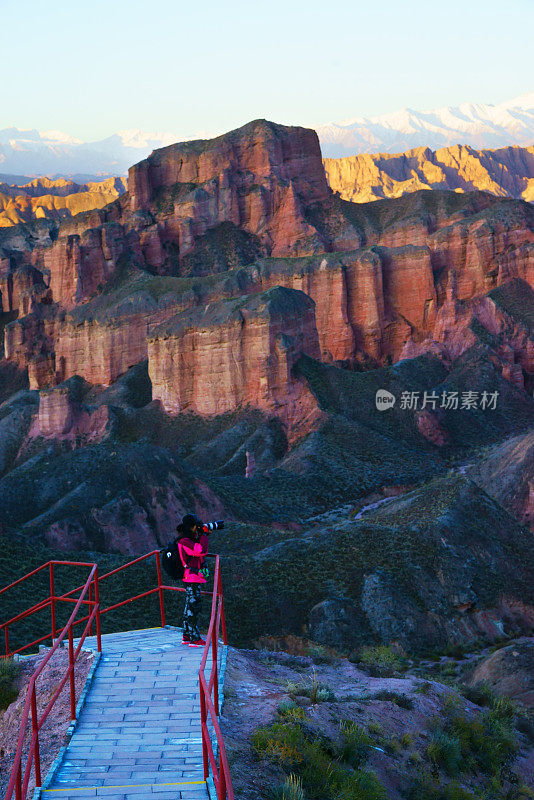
{"x":214,"y":338}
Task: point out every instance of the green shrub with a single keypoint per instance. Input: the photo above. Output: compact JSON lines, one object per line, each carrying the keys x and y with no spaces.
{"x":9,"y":671}
{"x":424,"y":688}
{"x":415,"y":759}
{"x":292,"y":688}
{"x":355,"y":744}
{"x":325,"y":770}
{"x":445,"y":751}
{"x":282,"y":742}
{"x":291,"y":789}
{"x":480,"y":695}
{"x":375,"y":729}
{"x":484,"y":743}
{"x":289,"y":710}
{"x":406,"y":740}
{"x":394,"y":697}
{"x":362,"y":785}
{"x":317,"y":692}
{"x":426,"y":789}
{"x":324,"y":694}
{"x":382,"y":657}
{"x":392,"y":747}
{"x":503,"y":708}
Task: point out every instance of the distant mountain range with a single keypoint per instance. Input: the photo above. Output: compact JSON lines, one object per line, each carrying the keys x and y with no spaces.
{"x":30,"y":153}
{"x":505,"y":172}
{"x":478,"y":125}
{"x":54,"y":199}
{"x":27,"y":154}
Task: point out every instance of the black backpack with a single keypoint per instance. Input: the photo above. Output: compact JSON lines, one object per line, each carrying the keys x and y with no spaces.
{"x":171,"y":561}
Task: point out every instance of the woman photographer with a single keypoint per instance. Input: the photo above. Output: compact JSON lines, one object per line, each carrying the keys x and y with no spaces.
{"x":192,"y":547}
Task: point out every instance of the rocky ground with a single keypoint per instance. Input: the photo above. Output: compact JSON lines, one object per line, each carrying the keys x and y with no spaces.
{"x":53,"y":732}
{"x":387,"y":727}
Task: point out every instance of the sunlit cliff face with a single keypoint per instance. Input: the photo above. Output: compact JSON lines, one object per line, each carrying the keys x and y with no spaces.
{"x":507,"y":172}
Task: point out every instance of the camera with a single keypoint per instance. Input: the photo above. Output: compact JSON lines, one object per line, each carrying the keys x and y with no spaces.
{"x":209,"y":527}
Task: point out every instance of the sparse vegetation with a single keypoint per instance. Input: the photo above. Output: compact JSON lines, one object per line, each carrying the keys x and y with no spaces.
{"x":291,"y":711}
{"x":463,"y":743}
{"x":326,"y":770}
{"x":380,"y":660}
{"x":399,"y":699}
{"x":291,"y":789}
{"x":355,"y":744}
{"x":316,"y":691}
{"x":9,"y":671}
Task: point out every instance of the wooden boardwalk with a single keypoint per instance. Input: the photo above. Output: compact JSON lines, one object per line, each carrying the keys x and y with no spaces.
{"x":138,"y":734}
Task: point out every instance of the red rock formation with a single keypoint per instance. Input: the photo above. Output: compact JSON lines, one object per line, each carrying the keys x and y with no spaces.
{"x":499,"y":314}
{"x":20,"y":288}
{"x":200,"y":208}
{"x":234,"y":353}
{"x":261,"y":178}
{"x":80,"y":264}
{"x":250,"y":469}
{"x":429,"y":427}
{"x":63,"y":415}
{"x":31,"y":336}
{"x":324,"y":279}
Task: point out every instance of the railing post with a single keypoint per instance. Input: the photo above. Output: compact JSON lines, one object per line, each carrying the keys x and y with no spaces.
{"x":18,"y":782}
{"x":91,"y":606}
{"x":223,"y":618}
{"x":71,"y":676}
{"x":53,"y":601}
{"x":216,"y":670}
{"x":160,"y":590}
{"x":97,"y":601}
{"x":35,"y":726}
{"x":221,"y":789}
{"x":204,"y":730}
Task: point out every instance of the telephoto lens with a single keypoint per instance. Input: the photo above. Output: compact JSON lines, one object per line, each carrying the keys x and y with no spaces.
{"x":208,"y":527}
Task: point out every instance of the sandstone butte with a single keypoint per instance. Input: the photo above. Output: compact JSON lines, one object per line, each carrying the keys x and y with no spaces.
{"x":57,"y":199}
{"x":506,"y":172}
{"x":228,"y":258}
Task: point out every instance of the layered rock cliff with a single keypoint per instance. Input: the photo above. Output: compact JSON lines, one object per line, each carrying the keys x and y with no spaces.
{"x":506,"y":172}
{"x":235,"y":353}
{"x":207,"y":221}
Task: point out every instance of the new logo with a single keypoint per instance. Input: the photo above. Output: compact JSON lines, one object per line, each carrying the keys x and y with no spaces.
{"x":384,"y":400}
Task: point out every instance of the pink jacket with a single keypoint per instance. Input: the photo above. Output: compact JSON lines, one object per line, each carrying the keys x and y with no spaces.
{"x":192,"y":554}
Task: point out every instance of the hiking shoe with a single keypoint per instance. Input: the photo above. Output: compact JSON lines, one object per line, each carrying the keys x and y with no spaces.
{"x":197,"y":643}
{"x":186,"y":639}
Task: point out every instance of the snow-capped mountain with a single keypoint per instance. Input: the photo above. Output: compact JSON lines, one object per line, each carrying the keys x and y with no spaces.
{"x":479,"y":125}
{"x":34,"y":153}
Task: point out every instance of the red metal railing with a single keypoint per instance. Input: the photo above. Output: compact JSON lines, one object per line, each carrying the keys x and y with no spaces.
{"x":19,"y":781}
{"x":209,"y":689}
{"x":209,"y":695}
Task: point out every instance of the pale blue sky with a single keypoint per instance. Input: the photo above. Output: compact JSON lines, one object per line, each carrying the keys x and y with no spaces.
{"x":91,"y":67}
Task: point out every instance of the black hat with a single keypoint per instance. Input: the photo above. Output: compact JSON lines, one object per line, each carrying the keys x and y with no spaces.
{"x":189,"y":522}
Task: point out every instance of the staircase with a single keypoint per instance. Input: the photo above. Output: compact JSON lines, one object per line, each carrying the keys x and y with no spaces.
{"x":149,"y":727}
{"x":138,"y":735}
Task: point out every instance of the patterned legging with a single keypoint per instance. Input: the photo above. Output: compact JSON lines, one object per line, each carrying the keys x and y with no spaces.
{"x":193,"y":601}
